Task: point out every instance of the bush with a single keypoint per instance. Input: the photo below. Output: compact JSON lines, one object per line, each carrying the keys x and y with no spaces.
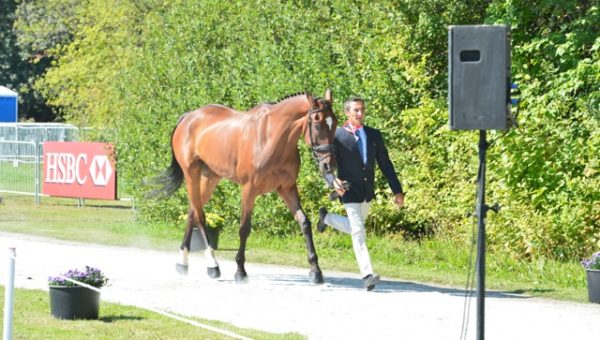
{"x":139,"y":65}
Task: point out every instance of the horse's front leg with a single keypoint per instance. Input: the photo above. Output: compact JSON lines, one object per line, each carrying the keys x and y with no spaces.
{"x":245,"y":227}
{"x":248,"y":200}
{"x":292,"y":199}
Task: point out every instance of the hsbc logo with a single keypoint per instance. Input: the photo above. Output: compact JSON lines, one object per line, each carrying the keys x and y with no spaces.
{"x":79,"y":169}
{"x":101,"y":170}
{"x":67,"y":168}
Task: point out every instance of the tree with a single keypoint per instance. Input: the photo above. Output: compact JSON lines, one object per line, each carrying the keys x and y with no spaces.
{"x":138,"y":65}
{"x":549,"y":168}
{"x":17,"y":71}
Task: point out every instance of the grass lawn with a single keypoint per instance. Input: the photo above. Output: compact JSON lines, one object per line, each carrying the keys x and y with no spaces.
{"x":32,"y":320}
{"x":18,"y":177}
{"x":435,"y":261}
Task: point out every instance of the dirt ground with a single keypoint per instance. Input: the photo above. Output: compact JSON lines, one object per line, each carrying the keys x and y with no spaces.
{"x":280,"y":299}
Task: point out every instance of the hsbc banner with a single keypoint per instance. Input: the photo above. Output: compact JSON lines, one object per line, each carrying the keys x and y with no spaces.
{"x":81,"y":170}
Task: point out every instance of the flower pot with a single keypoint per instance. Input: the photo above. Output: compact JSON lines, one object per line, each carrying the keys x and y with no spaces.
{"x":212,"y":234}
{"x":593,"y":285}
{"x":74,"y":303}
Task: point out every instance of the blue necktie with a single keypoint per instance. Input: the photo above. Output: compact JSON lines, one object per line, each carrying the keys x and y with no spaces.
{"x":359,"y":144}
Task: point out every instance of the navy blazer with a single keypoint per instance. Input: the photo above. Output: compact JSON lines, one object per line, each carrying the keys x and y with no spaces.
{"x":362,"y":176}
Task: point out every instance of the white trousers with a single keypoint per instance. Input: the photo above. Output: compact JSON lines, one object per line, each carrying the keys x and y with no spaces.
{"x":354,"y":224}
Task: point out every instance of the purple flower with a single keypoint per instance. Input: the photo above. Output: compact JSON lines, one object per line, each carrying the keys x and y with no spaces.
{"x":91,"y":276}
{"x":593,"y":262}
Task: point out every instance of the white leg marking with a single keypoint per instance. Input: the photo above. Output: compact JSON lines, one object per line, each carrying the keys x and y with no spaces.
{"x":183,"y":256}
{"x":211,"y":261}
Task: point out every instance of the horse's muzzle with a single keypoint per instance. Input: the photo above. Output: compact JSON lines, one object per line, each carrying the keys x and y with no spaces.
{"x":327,"y":170}
{"x":324,"y":155}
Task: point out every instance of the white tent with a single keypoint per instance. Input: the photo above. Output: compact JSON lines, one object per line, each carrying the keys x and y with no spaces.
{"x":6,"y":92}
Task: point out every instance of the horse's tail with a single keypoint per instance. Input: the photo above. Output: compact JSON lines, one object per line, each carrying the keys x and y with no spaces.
{"x":169,"y":181}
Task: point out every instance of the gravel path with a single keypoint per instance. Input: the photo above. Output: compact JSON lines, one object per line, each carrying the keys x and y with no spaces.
{"x":280,"y":299}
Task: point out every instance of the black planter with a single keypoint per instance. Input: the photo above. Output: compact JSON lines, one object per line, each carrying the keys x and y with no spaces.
{"x":212,"y":234}
{"x":593,"y":285}
{"x":74,"y":303}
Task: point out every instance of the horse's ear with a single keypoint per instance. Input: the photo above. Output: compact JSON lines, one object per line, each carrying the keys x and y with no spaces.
{"x":328,"y":96}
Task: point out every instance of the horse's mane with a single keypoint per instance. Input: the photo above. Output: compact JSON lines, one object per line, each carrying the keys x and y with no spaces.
{"x":305,"y":93}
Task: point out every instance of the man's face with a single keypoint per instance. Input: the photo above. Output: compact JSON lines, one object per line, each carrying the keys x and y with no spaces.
{"x":356,"y":113}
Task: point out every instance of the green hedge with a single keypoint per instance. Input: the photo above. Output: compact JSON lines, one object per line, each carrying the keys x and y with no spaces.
{"x":139,"y":65}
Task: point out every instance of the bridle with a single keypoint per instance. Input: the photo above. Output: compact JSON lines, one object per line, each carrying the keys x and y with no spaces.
{"x":318,"y":149}
{"x":320,"y":152}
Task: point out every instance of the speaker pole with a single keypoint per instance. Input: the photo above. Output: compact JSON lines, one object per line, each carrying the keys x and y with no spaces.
{"x":481,"y":214}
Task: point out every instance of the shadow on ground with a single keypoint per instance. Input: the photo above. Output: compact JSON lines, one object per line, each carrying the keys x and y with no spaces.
{"x":385,"y":286}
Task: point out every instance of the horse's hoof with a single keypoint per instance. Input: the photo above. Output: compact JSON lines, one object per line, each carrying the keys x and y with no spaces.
{"x":181,"y":269}
{"x":316,"y":277}
{"x":213,"y":272}
{"x":241,"y":277}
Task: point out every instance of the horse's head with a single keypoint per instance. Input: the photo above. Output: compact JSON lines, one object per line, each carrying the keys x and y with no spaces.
{"x":321,"y":125}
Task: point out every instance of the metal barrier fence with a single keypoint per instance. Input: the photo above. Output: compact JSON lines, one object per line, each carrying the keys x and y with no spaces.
{"x":38,"y":132}
{"x":20,"y":168}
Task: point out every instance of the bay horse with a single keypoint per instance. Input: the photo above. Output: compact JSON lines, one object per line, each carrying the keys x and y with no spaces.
{"x":257,"y":149}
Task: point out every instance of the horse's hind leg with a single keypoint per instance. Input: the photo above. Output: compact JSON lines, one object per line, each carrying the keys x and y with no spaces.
{"x":200,"y":183}
{"x":182,"y":265}
{"x":208,"y":183}
{"x":292,"y":199}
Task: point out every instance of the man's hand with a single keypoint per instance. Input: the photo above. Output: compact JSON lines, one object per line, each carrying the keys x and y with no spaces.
{"x":399,"y":199}
{"x":339,"y":186}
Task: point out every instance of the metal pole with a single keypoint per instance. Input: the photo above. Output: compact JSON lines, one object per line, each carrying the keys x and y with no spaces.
{"x":9,"y":294}
{"x":481,"y":214}
{"x":37,"y":148}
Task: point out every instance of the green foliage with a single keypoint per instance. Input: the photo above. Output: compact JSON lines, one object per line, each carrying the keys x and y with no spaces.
{"x":83,"y":82}
{"x":138,"y":65}
{"x":240,"y":55}
{"x":43,"y":25}
{"x":439,"y":169}
{"x":548,"y":168}
{"x":17,"y":70}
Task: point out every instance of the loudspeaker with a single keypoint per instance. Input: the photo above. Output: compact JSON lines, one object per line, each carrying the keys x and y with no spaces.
{"x":479,"y":77}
